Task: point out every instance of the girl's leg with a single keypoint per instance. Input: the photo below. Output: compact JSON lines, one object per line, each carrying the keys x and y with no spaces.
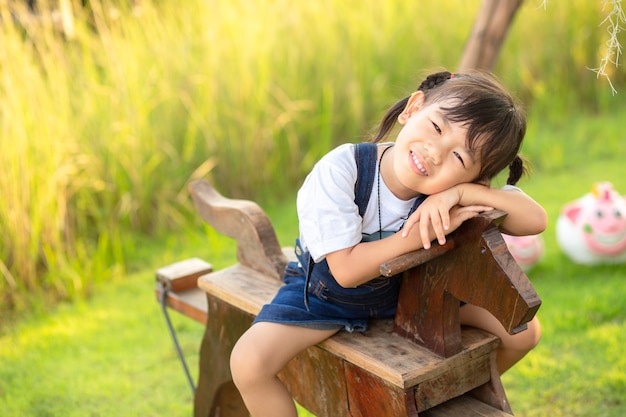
{"x":512,"y":347}
{"x":257,"y":358}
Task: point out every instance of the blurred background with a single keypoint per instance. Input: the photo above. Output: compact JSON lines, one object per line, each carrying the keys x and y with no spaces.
{"x":110,"y":108}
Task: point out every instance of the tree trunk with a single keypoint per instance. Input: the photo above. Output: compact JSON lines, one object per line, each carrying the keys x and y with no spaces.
{"x":490,"y":29}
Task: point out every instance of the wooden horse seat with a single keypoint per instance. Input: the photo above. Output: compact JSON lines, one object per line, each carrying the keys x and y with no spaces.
{"x":386,"y":355}
{"x":420,"y":363}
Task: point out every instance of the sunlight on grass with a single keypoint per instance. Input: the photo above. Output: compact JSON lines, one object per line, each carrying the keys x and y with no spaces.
{"x":98,"y":358}
{"x":608,"y":336}
{"x":103,"y":129}
{"x":115,"y":345}
{"x":101,"y":132}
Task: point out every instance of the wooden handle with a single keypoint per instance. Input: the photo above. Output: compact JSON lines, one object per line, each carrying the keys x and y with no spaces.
{"x":247,"y":223}
{"x":412,"y":259}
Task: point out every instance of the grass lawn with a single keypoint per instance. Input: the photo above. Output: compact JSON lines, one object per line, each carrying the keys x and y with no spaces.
{"x":102,"y":129}
{"x":111,"y":355}
{"x":108,"y":356}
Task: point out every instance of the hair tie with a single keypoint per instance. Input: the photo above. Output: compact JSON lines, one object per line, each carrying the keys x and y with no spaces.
{"x":433,"y":80}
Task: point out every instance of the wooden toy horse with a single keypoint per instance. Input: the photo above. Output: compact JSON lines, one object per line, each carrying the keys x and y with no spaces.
{"x":421,"y":363}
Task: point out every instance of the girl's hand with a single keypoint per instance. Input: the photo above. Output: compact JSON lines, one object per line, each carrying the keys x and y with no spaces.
{"x":439,"y":215}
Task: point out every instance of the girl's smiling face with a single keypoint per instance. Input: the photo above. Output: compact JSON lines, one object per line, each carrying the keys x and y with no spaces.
{"x":431,"y":152}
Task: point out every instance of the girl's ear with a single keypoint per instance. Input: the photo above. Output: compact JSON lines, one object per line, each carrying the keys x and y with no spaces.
{"x":416,"y":101}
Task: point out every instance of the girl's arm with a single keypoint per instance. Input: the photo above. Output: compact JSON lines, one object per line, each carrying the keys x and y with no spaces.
{"x":525,"y":215}
{"x":360,"y":263}
{"x":437,"y":216}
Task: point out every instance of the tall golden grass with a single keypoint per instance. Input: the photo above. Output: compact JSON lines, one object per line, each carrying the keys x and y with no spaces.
{"x":103,"y":125}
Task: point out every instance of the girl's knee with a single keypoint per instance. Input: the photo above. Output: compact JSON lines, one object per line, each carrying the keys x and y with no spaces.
{"x":525,"y":340}
{"x":245,"y":363}
{"x":534,"y":333}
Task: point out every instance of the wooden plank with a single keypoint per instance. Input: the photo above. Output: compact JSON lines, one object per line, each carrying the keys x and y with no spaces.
{"x":243,"y":287}
{"x":398,"y":360}
{"x":240,"y":286}
{"x":183,"y":275}
{"x":453,"y":382}
{"x":184,"y":295}
{"x":191,"y":303}
{"x":465,"y":406}
{"x":179,"y":280}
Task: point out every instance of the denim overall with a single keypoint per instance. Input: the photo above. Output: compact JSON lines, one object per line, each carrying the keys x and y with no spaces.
{"x":312,"y":298}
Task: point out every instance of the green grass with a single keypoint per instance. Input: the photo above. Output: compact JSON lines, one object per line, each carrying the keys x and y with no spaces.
{"x":111,"y":354}
{"x":578,"y":369}
{"x":108,"y":356}
{"x":101,"y":132}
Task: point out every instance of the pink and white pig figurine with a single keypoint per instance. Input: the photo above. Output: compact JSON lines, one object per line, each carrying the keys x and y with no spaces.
{"x":526,"y":250}
{"x":592,"y":229}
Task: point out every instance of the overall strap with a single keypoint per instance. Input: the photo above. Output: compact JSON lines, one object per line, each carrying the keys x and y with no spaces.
{"x":366,"y":155}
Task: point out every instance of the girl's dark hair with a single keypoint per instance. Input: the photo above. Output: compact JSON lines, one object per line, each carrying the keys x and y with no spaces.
{"x":496,"y":122}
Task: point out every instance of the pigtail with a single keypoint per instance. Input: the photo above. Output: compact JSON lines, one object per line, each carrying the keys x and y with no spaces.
{"x":390,"y":118}
{"x":516,"y":170}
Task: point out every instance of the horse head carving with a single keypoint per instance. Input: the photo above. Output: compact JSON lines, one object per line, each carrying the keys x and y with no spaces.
{"x":474,"y":266}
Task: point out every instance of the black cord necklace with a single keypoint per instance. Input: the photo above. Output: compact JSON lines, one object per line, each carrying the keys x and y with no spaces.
{"x":380,"y":218}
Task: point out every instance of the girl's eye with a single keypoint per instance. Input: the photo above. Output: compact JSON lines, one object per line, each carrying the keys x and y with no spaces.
{"x":437,"y":128}
{"x":458,"y":156}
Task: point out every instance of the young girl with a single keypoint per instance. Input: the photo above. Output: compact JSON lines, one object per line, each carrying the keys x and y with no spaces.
{"x":458,"y":132}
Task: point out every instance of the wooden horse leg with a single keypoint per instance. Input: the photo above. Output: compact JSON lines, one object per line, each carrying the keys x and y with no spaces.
{"x":492,"y":392}
{"x":371,"y":396}
{"x":227,"y":402}
{"x":216,"y":394}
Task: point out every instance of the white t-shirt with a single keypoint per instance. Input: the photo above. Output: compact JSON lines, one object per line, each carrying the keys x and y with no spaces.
{"x":329,"y":219}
